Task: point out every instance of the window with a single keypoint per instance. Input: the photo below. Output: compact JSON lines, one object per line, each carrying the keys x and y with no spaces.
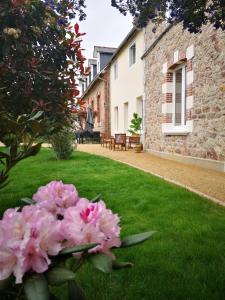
{"x":115,"y":70}
{"x":116,"y":118}
{"x":179,"y":96}
{"x":98,"y":110}
{"x":132,"y":54}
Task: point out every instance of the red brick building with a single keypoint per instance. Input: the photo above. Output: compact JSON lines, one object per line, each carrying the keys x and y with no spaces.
{"x":97,"y":95}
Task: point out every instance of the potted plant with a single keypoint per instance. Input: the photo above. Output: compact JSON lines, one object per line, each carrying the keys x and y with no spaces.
{"x":135,"y":130}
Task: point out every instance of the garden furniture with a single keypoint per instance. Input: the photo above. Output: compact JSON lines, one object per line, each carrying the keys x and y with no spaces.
{"x":105,"y":140}
{"x":120,"y":140}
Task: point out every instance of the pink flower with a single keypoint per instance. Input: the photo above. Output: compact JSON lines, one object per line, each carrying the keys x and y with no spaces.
{"x":29,"y":237}
{"x":56,"y":197}
{"x":91,"y":223}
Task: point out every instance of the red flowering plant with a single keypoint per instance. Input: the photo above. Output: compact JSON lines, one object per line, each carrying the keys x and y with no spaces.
{"x":40,"y":57}
{"x":45,"y":243}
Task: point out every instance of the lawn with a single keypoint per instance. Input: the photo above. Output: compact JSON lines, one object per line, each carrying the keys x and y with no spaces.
{"x":185,"y":259}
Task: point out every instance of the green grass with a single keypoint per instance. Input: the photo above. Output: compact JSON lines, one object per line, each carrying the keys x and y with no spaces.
{"x":185,"y":258}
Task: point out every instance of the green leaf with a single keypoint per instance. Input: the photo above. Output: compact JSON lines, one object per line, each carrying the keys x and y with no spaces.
{"x":36,"y":288}
{"x":21,"y":119}
{"x":36,"y":127}
{"x":136,"y":239}
{"x":4,"y":155}
{"x":57,"y":276}
{"x":78,"y":248}
{"x":96,"y":199}
{"x":121,"y":265}
{"x":32,"y":151}
{"x":6,"y":48}
{"x":53,"y":297}
{"x":4,"y":284}
{"x":74,"y":291}
{"x":28,"y":200}
{"x":101,"y":262}
{"x":37,"y":115}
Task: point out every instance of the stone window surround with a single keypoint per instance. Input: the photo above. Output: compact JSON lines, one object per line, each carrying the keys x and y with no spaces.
{"x":178,"y":58}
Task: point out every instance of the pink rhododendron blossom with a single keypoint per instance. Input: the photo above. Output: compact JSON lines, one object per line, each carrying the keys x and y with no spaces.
{"x":29,"y":237}
{"x":56,"y":197}
{"x":91,"y":223}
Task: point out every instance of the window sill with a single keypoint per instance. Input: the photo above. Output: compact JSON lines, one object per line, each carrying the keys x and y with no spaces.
{"x":170,"y":129}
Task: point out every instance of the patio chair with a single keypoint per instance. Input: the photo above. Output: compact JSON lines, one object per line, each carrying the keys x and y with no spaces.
{"x":120,"y":141}
{"x":105,"y":140}
{"x":132,"y":140}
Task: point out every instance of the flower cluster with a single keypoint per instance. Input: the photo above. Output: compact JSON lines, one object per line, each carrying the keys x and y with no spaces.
{"x":58,"y":219}
{"x":12,"y":32}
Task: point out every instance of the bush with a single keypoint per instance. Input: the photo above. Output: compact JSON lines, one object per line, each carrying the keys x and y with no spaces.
{"x":63,"y":143}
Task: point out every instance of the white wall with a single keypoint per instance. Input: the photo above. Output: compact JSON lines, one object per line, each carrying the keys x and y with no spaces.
{"x":129,"y":86}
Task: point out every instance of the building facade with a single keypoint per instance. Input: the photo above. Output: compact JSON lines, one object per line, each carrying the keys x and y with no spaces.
{"x":127,"y":81}
{"x":184,"y":98}
{"x":96,"y":90}
{"x":97,"y":96}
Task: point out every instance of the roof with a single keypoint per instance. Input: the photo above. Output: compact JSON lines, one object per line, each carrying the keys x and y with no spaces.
{"x":94,"y":81}
{"x":103,"y":49}
{"x":122,"y":44}
{"x":130,"y":34}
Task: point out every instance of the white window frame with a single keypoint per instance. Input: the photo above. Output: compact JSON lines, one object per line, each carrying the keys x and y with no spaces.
{"x":126,"y":116}
{"x":185,"y":127}
{"x":115,"y":70}
{"x":183,"y":95}
{"x":131,"y":63}
{"x":116,"y":118}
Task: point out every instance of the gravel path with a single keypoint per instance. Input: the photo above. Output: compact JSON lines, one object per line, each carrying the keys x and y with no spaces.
{"x":208,"y":183}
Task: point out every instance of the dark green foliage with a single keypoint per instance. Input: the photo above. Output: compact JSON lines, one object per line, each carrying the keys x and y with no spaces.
{"x":36,"y":287}
{"x":39,"y":58}
{"x":62,"y":143}
{"x":135,"y":126}
{"x":193,"y":14}
{"x":20,"y":135}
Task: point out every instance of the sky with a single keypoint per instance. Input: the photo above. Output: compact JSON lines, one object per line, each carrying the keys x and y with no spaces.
{"x":104,"y":26}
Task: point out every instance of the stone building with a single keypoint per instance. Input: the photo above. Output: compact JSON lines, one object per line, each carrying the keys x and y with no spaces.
{"x":184,"y":95}
{"x":97,"y":95}
{"x":96,"y":89}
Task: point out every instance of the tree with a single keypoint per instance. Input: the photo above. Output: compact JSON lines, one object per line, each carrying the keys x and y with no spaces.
{"x":40,"y":56}
{"x":193,"y":14}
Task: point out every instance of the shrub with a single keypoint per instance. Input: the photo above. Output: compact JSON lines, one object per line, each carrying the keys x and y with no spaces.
{"x":135,"y":126}
{"x":63,"y":143}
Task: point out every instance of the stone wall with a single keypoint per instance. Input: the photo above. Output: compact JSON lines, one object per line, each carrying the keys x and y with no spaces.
{"x":98,"y":97}
{"x":207,"y":113}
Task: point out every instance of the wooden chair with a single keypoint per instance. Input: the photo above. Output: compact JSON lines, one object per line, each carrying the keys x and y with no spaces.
{"x":105,"y":140}
{"x":119,"y":140}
